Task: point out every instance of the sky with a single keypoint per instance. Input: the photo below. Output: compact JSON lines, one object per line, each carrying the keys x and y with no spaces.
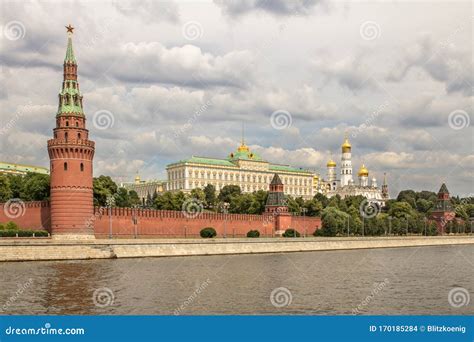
{"x":165,"y":80}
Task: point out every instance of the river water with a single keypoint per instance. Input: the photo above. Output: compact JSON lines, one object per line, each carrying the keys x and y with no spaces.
{"x":379,"y":281}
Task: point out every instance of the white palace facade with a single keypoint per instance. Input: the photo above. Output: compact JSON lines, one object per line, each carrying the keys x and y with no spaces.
{"x":243,"y":168}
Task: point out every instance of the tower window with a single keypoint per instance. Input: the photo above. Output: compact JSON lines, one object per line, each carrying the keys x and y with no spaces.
{"x":67,"y":123}
{"x":65,"y":136}
{"x":82,"y":167}
{"x":77,"y":124}
{"x":65,"y":166}
{"x":78,"y":135}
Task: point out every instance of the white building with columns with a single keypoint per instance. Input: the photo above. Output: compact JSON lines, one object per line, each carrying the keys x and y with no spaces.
{"x":243,"y":168}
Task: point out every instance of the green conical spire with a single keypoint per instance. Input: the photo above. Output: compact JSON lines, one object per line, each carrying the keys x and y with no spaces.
{"x":69,"y":52}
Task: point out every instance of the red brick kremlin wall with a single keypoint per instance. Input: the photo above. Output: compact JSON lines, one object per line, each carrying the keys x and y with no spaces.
{"x":27,"y":215}
{"x":159,"y":223}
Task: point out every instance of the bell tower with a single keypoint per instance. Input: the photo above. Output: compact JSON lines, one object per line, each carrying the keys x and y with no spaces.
{"x":71,"y":154}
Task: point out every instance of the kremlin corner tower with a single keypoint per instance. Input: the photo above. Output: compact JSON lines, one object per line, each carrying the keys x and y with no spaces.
{"x":71,"y":154}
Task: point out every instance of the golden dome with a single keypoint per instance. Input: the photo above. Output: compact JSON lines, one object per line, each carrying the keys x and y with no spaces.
{"x":243,"y":148}
{"x":363,"y":171}
{"x":346,"y":146}
{"x":331,"y":163}
{"x":137,"y":179}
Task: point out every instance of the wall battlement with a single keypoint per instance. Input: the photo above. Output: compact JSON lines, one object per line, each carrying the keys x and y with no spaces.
{"x":150,"y":223}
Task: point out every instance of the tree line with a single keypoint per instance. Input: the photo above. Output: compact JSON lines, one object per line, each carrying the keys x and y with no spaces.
{"x":407,"y":214}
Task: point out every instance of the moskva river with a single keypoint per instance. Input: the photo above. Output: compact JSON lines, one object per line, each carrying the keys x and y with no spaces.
{"x":423,"y":280}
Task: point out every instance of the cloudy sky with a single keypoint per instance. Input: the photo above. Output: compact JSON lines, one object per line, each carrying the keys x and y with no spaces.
{"x":165,"y":80}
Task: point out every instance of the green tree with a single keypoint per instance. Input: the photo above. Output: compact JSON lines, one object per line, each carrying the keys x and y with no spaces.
{"x":401,"y":209}
{"x":16,"y":185}
{"x":313,"y":207}
{"x":423,"y":205}
{"x":198,"y":194}
{"x":335,"y":222}
{"x":5,"y":191}
{"x":227,"y":192}
{"x":149,"y":200}
{"x":408,"y":196}
{"x":210,"y":195}
{"x":164,"y":201}
{"x":461,"y":212}
{"x":104,"y":187}
{"x":122,"y":198}
{"x":134,"y":199}
{"x":178,"y":200}
{"x":293,"y":205}
{"x":322,"y":199}
{"x":36,"y":187}
{"x":260,"y":197}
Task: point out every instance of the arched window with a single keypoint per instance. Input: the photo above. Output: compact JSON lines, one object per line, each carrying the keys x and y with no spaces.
{"x":65,"y":166}
{"x":65,"y":136}
{"x":67,"y":123}
{"x":78,"y":135}
{"x":77,"y":124}
{"x":82,"y":167}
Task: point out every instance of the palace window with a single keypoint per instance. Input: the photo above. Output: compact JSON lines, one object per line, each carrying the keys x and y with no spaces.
{"x":82,"y":167}
{"x":65,"y":166}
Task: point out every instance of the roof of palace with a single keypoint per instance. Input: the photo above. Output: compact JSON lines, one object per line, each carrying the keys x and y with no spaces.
{"x":231,"y":163}
{"x":20,"y":168}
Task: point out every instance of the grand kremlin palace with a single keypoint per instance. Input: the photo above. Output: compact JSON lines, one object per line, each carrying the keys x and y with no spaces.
{"x":243,"y":168}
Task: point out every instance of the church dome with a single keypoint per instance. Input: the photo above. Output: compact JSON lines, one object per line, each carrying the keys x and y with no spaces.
{"x":363,"y":172}
{"x":346,"y":146}
{"x":243,"y":148}
{"x":331,"y":163}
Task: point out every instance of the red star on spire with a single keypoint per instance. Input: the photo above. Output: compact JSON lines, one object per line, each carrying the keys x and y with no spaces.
{"x":69,"y":29}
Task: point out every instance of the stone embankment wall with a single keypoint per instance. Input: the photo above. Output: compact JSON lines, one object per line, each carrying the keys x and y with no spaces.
{"x":46,"y":249}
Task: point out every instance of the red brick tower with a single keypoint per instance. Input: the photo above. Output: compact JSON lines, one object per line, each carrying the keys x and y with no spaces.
{"x":443,"y":210}
{"x":71,"y":153}
{"x":277,"y":205}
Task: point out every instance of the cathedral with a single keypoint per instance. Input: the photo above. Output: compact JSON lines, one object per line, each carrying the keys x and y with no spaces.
{"x":345,"y":185}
